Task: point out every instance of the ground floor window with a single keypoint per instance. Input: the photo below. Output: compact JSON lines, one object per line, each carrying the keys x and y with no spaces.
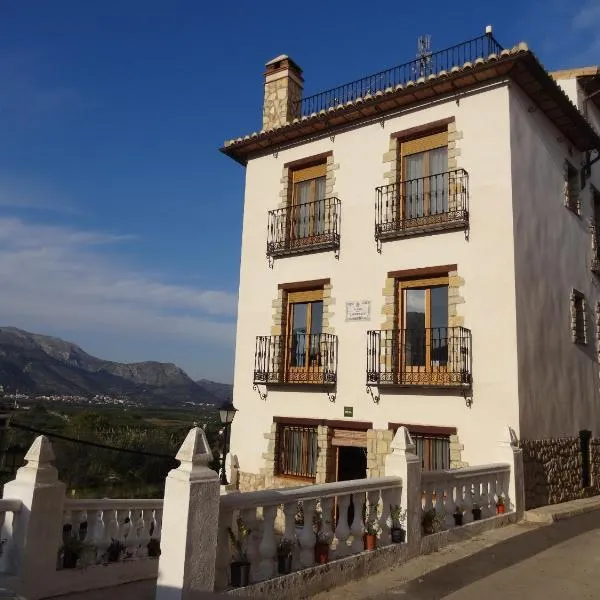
{"x":433,"y":450}
{"x":296,"y":451}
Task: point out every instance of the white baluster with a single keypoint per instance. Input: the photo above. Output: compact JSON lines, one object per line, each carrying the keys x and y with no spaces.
{"x":133,"y":538}
{"x":388,"y":497}
{"x":342,"y":531}
{"x":307,"y":535}
{"x":112,"y":526}
{"x":476,"y":495}
{"x":372,"y":505}
{"x":145,"y":523}
{"x":268,"y":544}
{"x":248,"y":516}
{"x":357,"y":530}
{"x":223,"y":558}
{"x":123,"y":528}
{"x":157,"y":523}
{"x":289,"y":532}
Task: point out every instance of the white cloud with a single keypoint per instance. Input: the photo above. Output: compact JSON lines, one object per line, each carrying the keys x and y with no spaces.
{"x":54,"y":276}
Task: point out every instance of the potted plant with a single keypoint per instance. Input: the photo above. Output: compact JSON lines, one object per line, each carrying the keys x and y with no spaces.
{"x":153,"y":548}
{"x":476,"y":512}
{"x":500,"y":507}
{"x":372,"y":530}
{"x":398,"y":518}
{"x":240,"y":566}
{"x":458,"y":514}
{"x":284,"y":556}
{"x":432,"y":521}
{"x":323,"y":540}
{"x":71,"y":551}
{"x":115,"y":551}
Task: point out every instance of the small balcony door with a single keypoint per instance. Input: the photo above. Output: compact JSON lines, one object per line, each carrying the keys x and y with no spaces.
{"x":307,"y":212}
{"x":304,"y":328}
{"x":425,"y":176}
{"x":423,"y":330}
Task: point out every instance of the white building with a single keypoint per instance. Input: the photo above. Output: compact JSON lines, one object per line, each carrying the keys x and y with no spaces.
{"x":429,"y":261}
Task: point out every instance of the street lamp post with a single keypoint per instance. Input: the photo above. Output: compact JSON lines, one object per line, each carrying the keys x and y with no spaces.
{"x":226,"y":414}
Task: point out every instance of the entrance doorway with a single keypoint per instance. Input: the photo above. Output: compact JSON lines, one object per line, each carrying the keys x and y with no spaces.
{"x":351,"y":464}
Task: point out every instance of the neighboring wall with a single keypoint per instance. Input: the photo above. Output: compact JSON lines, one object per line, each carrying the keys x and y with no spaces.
{"x":485,"y":263}
{"x":558,"y":380}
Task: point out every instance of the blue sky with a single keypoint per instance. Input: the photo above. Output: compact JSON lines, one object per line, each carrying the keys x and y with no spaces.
{"x":120,"y":222}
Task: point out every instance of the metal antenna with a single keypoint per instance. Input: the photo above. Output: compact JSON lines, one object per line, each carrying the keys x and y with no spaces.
{"x":422,"y":65}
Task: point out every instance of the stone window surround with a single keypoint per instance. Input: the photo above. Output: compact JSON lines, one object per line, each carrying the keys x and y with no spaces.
{"x":455,"y":298}
{"x":573,"y":204}
{"x":280,"y":304}
{"x":391,"y":157}
{"x":287,"y":188}
{"x":456,"y":447}
{"x":575,"y":336}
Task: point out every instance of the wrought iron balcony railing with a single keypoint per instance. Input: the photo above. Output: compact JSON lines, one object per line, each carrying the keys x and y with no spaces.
{"x":298,"y":358}
{"x":433,"y":63}
{"x":434,"y":357}
{"x":425,"y":204}
{"x":307,"y":227}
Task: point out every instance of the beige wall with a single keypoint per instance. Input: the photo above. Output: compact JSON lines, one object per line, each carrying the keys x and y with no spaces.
{"x":485,"y":262}
{"x":558,"y":380}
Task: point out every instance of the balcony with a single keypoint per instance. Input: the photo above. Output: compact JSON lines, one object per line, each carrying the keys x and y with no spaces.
{"x":434,"y":203}
{"x":437,"y":357}
{"x":301,"y":228}
{"x":428,"y":64}
{"x":300,"y":358}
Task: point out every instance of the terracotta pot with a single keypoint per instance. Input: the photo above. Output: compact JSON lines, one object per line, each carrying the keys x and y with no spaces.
{"x":370,"y":541}
{"x":398,"y":535}
{"x":499,"y":509}
{"x":70,"y":559}
{"x":427,"y":528}
{"x":458,"y":519}
{"x":284,"y":564}
{"x":476,"y":514}
{"x":240,"y":574}
{"x":321,"y":553}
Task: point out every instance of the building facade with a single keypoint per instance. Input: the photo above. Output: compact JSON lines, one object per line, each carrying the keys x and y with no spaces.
{"x":418,"y":249}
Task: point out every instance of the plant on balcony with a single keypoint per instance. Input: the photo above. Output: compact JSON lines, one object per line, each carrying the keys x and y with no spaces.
{"x":71,"y":550}
{"x":240,"y":565}
{"x":476,"y":512}
{"x":153,"y":548}
{"x":323,"y":539}
{"x":397,"y":520}
{"x":458,"y":515}
{"x":432,"y":521}
{"x":372,"y":532}
{"x":285,"y":550}
{"x":115,"y":551}
{"x":500,"y":507}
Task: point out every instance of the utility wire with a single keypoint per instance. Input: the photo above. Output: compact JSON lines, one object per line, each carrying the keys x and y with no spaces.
{"x":16,"y":425}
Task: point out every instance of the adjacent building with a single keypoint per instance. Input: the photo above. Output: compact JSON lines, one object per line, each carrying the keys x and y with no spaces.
{"x":419,"y":248}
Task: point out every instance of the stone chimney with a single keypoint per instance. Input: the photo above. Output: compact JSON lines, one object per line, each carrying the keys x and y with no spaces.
{"x":283,"y":92}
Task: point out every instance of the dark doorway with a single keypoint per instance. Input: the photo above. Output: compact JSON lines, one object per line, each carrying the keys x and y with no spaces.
{"x":351,"y":464}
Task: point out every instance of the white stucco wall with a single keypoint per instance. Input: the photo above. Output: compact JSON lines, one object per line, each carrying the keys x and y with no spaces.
{"x":558,"y":380}
{"x":485,"y":261}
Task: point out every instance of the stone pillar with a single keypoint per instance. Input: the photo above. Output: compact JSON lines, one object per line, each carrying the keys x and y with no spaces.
{"x":36,"y":530}
{"x":510,"y":453}
{"x":283,"y":92}
{"x":190,"y":523}
{"x":404,"y":462}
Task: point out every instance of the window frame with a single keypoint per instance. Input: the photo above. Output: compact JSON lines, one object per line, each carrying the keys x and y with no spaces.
{"x":572,"y":188}
{"x":428,"y":432}
{"x":578,"y":318}
{"x":279,"y":469}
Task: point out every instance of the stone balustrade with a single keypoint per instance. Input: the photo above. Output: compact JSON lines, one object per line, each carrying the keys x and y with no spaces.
{"x":8,"y":508}
{"x":98,"y":523}
{"x":465,"y":489}
{"x":323,"y":508}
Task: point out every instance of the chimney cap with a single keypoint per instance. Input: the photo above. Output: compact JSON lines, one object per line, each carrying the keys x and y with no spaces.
{"x":283,"y":61}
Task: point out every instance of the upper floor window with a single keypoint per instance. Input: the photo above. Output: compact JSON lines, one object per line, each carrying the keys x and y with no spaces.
{"x":571,"y":187}
{"x":308,"y":214}
{"x":578,"y":318}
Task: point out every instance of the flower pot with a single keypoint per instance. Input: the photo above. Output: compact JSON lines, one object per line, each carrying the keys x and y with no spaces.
{"x":240,"y":574}
{"x":476,"y":514}
{"x":284,"y":564}
{"x":398,"y":535}
{"x":427,"y":528}
{"x":321,"y":553}
{"x":458,"y":519}
{"x":370,"y":541}
{"x":499,"y":509}
{"x":69,"y":559}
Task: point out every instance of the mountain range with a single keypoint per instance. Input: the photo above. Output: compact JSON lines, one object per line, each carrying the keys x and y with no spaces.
{"x":36,"y":364}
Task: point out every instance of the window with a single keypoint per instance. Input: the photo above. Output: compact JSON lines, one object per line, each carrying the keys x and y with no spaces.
{"x":578,"y":318}
{"x":308,"y":208}
{"x":571,"y":188}
{"x":596,"y":231}
{"x":423,"y":324}
{"x":296,"y":451}
{"x":305,"y":341}
{"x":424,"y":174}
{"x":433,"y":450}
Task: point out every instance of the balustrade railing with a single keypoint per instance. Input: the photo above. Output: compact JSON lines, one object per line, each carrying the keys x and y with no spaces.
{"x":432,"y":203}
{"x":127,"y":525}
{"x":307,"y":227}
{"x":335,"y":510}
{"x":462,"y":490}
{"x":11,"y":508}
